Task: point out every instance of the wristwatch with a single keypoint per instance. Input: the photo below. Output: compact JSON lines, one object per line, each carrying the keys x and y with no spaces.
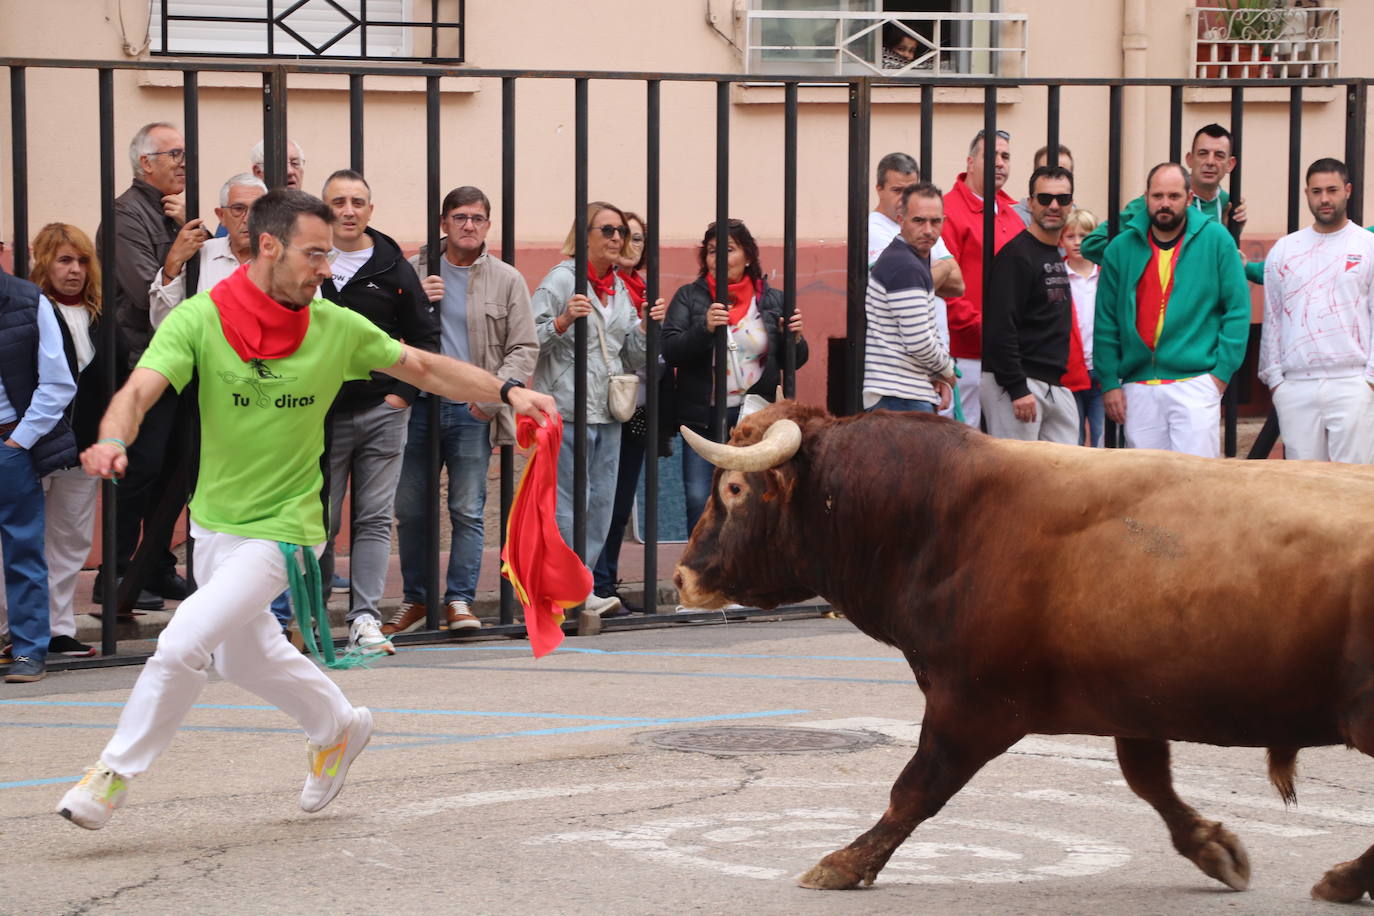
{"x":505,"y":389}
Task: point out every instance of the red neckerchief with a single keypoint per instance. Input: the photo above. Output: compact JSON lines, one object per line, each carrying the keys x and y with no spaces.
{"x":257,"y":326}
{"x":741,"y":295}
{"x":66,"y":300}
{"x":547,"y":576}
{"x":635,"y":286}
{"x":604,"y":287}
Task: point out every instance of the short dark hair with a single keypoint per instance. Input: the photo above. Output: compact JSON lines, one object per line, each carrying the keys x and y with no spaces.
{"x":1049,"y":171}
{"x":920,"y":189}
{"x":900,"y":163}
{"x":461,"y":197}
{"x":1328,"y":165}
{"x":346,"y":175}
{"x":276,"y":212}
{"x":1187,"y":179}
{"x":1216,"y":132}
{"x":893,"y":34}
{"x":1044,"y":153}
{"x":744,"y":239}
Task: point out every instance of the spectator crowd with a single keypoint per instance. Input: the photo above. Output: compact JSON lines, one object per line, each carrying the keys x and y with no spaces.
{"x":1146,"y":328}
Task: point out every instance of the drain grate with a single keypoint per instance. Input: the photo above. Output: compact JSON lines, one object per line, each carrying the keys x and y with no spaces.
{"x":747,"y":740}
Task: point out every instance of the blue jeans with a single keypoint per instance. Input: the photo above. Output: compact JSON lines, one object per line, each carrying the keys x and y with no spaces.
{"x":905,"y":405}
{"x":603,"y":465}
{"x":26,"y":564}
{"x":697,"y":472}
{"x":465,"y":450}
{"x":607,"y":568}
{"x":1090,"y":409}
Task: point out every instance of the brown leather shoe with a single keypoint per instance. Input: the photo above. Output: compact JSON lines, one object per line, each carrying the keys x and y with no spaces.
{"x":460,"y":617}
{"x":406,"y":616}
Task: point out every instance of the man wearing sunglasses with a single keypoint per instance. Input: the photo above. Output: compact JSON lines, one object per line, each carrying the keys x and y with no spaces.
{"x":149,"y":215}
{"x":1028,"y":321}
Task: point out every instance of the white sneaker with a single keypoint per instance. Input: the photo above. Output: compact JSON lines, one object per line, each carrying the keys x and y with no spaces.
{"x":328,"y":764}
{"x":91,"y":801}
{"x":365,"y":634}
{"x":683,"y":609}
{"x":601,"y":607}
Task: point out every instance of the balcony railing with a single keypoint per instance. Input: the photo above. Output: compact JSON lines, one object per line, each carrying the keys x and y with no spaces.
{"x":1302,"y":42}
{"x":841,"y":43}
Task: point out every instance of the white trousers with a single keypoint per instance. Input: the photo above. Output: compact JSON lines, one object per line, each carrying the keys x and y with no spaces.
{"x":1056,"y":413}
{"x":227,"y":617}
{"x":1326,"y":419}
{"x":971,"y":374}
{"x":69,"y":519}
{"x":1183,"y":416}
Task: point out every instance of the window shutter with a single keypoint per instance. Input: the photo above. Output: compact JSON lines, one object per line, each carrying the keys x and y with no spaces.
{"x":317,"y":22}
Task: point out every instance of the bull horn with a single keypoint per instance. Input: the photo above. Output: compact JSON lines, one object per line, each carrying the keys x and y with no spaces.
{"x":779,"y":443}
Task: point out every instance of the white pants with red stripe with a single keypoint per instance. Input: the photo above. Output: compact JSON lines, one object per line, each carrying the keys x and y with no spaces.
{"x":227,"y":619}
{"x":1326,"y":419}
{"x":1182,"y":416}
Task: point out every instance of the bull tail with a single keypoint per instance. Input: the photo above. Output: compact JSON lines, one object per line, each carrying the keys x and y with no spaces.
{"x":1283,"y":764}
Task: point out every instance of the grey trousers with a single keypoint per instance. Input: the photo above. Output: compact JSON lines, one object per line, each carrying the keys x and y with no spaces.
{"x":373,"y":441}
{"x":1056,"y":413}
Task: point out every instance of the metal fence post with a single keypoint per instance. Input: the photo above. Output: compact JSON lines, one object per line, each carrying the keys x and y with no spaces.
{"x":109,"y":330}
{"x":434,"y":577}
{"x":719,"y":424}
{"x":507,"y":255}
{"x":856,"y":267}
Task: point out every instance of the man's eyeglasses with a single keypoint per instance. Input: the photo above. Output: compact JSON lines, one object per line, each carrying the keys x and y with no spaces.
{"x":239,"y":211}
{"x":1046,"y":199}
{"x":459,"y":219}
{"x":609,"y":232}
{"x":178,"y":155}
{"x":317,"y":256}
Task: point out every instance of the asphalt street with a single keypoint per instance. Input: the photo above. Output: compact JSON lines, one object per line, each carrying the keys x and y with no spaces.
{"x":497,"y":783}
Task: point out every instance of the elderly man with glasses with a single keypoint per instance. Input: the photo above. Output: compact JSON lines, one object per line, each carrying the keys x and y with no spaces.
{"x":149,"y":217}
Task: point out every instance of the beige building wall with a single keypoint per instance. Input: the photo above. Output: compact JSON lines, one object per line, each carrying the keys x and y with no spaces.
{"x":1067,"y":38}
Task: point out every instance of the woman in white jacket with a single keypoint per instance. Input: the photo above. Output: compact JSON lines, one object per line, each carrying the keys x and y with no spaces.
{"x":612,"y":318}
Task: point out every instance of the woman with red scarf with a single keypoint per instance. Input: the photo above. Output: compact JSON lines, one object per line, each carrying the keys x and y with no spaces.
{"x":755,"y":321}
{"x":615,"y":345}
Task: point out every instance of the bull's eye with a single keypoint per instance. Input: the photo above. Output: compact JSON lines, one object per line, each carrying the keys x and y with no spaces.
{"x":734,"y":489}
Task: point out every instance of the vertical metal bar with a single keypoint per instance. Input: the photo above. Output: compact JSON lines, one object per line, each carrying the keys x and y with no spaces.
{"x":1356,"y":115}
{"x":1052,"y":125}
{"x":580,"y":325}
{"x":1175,"y":123}
{"x":789,"y":237}
{"x":164,"y":29}
{"x":1229,"y":401}
{"x":1294,"y":157}
{"x":653,"y":341}
{"x":274,"y":127}
{"x":927,"y":133}
{"x":271,"y":40}
{"x":109,"y":330}
{"x":355,"y":121}
{"x":433,"y":29}
{"x":989,"y":183}
{"x":462,"y":30}
{"x":190,"y":113}
{"x":507,"y":255}
{"x":362,"y":49}
{"x":722,"y":356}
{"x":19,"y":133}
{"x":434,"y":586}
{"x":856,"y":268}
{"x":1113,"y":435}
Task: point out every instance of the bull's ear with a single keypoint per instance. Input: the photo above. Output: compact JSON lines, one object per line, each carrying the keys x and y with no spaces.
{"x":781,"y":481}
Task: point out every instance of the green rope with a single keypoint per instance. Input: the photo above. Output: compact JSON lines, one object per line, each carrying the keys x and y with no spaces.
{"x":307,"y":598}
{"x":958,"y":404}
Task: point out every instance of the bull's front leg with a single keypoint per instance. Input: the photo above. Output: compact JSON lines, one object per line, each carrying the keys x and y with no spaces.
{"x":947,"y":757}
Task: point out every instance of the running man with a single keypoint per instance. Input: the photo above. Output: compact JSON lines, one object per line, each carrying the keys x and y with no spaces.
{"x":259,"y":490}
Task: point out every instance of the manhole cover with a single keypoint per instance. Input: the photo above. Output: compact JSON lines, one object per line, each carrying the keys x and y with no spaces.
{"x":741,"y":740}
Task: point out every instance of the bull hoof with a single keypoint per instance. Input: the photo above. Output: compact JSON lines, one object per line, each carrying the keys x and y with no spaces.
{"x":1219,"y":853}
{"x":829,"y":875}
{"x":1342,"y":884}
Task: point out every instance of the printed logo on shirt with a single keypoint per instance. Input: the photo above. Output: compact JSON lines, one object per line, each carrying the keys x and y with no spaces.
{"x":262,"y":382}
{"x":1353,"y":260}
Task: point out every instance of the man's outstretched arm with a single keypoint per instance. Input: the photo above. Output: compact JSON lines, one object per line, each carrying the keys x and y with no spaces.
{"x":119,"y":426}
{"x":460,"y":381}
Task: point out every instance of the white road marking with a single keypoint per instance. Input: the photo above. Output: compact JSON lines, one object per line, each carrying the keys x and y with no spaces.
{"x":1137,"y":806}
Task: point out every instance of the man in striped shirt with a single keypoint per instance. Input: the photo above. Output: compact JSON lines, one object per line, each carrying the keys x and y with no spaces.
{"x":906,"y":366}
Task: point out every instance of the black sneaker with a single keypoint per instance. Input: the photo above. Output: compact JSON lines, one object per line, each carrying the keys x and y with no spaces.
{"x":70,"y":647}
{"x":169,"y":585}
{"x":24,"y":670}
{"x":146,"y":601}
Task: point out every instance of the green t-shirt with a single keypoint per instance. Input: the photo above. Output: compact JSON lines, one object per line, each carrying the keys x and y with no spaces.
{"x":262,"y":422}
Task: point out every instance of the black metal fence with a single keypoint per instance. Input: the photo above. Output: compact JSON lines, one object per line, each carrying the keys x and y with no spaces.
{"x":856,"y":182}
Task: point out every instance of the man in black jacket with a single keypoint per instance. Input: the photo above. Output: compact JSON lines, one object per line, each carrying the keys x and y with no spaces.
{"x":367,"y":426}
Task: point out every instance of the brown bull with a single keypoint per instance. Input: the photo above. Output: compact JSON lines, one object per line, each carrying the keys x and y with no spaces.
{"x":1044,"y":589}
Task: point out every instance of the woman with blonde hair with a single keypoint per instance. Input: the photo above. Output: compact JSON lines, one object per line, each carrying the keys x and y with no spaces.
{"x":1083,"y":284}
{"x":615,"y":346}
{"x":66,"y":269}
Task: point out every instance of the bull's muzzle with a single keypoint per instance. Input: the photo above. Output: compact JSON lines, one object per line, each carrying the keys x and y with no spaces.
{"x":779,"y":443}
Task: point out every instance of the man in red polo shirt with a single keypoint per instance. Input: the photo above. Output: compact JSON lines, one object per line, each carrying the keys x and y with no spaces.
{"x":963,"y":235}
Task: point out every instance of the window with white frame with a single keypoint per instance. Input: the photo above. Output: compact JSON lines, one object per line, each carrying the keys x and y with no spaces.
{"x":896,"y":38}
{"x":358,"y":29}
